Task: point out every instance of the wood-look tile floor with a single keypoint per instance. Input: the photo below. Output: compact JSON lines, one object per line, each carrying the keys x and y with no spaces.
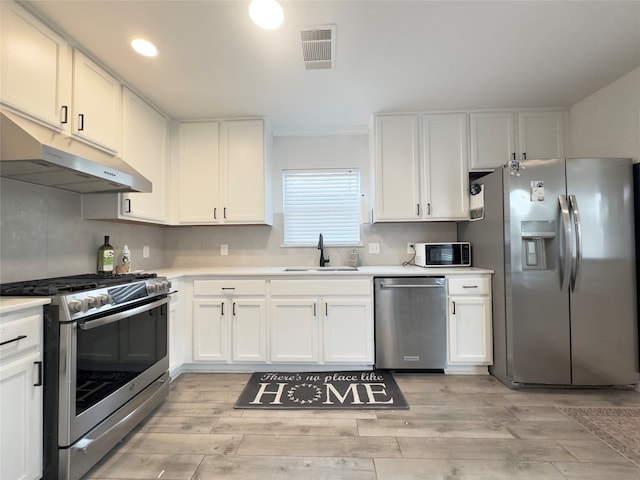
{"x":458,"y":427}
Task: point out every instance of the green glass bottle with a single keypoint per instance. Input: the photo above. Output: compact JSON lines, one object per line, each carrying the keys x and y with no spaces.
{"x":106,"y":257}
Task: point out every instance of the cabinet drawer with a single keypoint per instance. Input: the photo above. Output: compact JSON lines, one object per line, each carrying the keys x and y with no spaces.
{"x":319,"y":287}
{"x":229,"y":287}
{"x":23,"y":335}
{"x":469,"y":286}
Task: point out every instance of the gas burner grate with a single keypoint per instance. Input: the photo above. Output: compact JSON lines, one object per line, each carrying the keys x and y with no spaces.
{"x":75,"y":283}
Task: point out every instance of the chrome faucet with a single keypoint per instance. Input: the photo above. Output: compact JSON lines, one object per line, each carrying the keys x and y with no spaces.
{"x":323,"y":261}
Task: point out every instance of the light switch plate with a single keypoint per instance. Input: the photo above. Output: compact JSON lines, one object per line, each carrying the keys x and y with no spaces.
{"x":374,"y":248}
{"x":145,"y":251}
{"x":224,"y":249}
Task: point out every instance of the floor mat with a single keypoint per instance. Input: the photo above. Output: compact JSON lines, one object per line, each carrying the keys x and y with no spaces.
{"x":617,"y":427}
{"x":373,"y":389}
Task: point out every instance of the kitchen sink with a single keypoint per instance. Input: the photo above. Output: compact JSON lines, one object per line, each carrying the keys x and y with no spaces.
{"x":321,"y":269}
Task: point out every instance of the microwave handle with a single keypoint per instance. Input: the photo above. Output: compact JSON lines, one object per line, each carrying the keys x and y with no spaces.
{"x":116,"y":317}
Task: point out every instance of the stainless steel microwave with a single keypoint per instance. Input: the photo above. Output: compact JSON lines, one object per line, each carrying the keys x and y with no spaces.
{"x":449,"y":254}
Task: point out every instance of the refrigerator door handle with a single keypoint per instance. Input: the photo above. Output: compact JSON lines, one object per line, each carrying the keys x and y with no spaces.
{"x":564,"y":254}
{"x":577,"y":251}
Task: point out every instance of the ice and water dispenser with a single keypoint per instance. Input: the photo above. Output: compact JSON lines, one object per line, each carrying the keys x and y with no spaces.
{"x":538,"y":245}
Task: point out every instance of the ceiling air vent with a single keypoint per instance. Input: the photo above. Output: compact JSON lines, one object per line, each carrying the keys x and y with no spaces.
{"x":319,"y":47}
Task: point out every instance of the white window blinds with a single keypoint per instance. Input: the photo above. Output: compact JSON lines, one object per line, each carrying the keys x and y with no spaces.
{"x":321,"y":201}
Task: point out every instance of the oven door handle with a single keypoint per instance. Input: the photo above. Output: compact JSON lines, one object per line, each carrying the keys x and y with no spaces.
{"x":116,"y":317}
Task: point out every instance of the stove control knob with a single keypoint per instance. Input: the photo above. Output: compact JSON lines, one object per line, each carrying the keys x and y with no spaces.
{"x":164,"y":286}
{"x":89,"y":303}
{"x":75,"y":306}
{"x":103,"y":299}
{"x":151,"y":288}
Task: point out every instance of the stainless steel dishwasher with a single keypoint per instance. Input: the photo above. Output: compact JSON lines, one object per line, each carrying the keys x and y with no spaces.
{"x":410,"y":322}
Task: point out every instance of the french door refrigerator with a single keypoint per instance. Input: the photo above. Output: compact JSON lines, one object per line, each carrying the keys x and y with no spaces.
{"x":559,"y":235}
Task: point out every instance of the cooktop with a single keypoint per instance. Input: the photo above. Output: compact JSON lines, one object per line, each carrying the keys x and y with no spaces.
{"x":73,"y":283}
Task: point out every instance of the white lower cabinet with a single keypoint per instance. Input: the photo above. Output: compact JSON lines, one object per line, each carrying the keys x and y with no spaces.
{"x":248,"y":330}
{"x":210,"y":330}
{"x":229,"y":321}
{"x":469,"y":332}
{"x":21,"y":395}
{"x":347,"y":330}
{"x":321,"y":322}
{"x":295,"y":330}
{"x":176,"y":328}
{"x":307,"y":320}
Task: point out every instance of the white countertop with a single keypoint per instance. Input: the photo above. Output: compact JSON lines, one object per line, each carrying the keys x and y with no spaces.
{"x":15,"y":304}
{"x":366,"y":271}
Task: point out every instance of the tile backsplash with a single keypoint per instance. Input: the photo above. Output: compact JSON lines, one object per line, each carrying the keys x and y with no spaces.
{"x":42,"y":234}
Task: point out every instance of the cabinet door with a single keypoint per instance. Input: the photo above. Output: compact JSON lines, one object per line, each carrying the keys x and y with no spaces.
{"x":249,"y":330}
{"x":21,"y":419}
{"x":198,"y":192}
{"x":210,"y":331}
{"x":294,"y":330}
{"x":347,"y":330}
{"x":445,"y":173}
{"x":396,"y":167}
{"x":96,"y":104}
{"x":492,"y":140}
{"x":176,"y":329}
{"x":243,"y":172}
{"x":469,"y":332}
{"x":35,"y":68}
{"x":541,"y":134}
{"x":144,"y":133}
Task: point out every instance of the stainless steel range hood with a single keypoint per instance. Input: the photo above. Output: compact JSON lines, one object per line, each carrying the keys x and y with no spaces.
{"x":32,"y":153}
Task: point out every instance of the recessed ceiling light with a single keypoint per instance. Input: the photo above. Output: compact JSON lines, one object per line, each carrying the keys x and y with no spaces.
{"x":144,"y":47}
{"x":266,"y":13}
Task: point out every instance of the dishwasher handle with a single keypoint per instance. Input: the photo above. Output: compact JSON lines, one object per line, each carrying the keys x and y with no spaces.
{"x":385,"y":285}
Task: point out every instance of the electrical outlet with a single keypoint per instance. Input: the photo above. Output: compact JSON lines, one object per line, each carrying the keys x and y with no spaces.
{"x":411,"y":248}
{"x":224,"y":249}
{"x":145,"y":251}
{"x":374,"y":248}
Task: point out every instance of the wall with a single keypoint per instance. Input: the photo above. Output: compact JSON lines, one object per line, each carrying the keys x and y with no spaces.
{"x":261,"y":245}
{"x":42,"y":234}
{"x":607,"y":123}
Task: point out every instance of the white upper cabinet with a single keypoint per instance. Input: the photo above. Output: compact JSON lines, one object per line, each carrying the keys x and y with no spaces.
{"x":36,"y":68}
{"x":198,"y":173}
{"x":224,"y":172}
{"x":420,"y":167}
{"x":144,"y":147}
{"x":540,"y":134}
{"x":396,"y":165}
{"x":492,"y":138}
{"x":245,"y":171}
{"x":445,"y":173}
{"x":96,"y":104}
{"x":44,"y":79}
{"x":497,"y":137}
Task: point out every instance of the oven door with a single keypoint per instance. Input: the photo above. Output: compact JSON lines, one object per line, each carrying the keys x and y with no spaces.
{"x":106,"y":361}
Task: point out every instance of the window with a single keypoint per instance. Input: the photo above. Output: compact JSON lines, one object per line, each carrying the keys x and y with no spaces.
{"x":321,"y":201}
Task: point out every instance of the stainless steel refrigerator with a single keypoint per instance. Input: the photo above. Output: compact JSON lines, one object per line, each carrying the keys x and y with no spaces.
{"x":559,"y":235}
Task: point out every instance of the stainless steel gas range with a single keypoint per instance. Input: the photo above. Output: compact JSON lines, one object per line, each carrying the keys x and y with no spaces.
{"x":105,"y":362}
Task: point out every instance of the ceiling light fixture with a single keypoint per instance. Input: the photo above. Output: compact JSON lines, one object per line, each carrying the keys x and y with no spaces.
{"x":144,"y":47}
{"x":267,"y":14}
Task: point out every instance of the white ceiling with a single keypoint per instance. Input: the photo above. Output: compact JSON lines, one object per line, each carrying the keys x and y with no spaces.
{"x":390,"y":55}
